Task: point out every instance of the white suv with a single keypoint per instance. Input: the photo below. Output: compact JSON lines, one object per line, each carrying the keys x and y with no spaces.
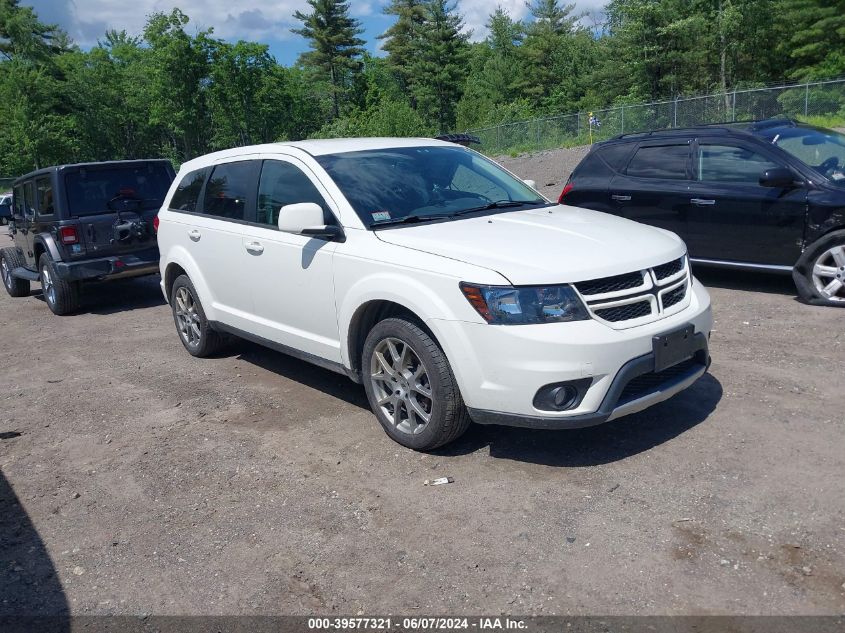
{"x":451,"y":289}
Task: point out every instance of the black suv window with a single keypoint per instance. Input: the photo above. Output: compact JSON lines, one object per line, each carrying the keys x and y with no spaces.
{"x":228,"y":189}
{"x":18,"y":201}
{"x":44,"y":194}
{"x":187,"y":194}
{"x":730,"y":163}
{"x":94,"y":190}
{"x":660,"y":161}
{"x":615,"y":155}
{"x":29,"y":198}
{"x":283,"y":183}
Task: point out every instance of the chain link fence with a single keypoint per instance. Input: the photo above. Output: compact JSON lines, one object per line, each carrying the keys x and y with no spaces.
{"x":822,"y":99}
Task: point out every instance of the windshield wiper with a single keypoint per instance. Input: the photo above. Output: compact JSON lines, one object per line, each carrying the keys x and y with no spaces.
{"x":498,"y":204}
{"x":408,"y":219}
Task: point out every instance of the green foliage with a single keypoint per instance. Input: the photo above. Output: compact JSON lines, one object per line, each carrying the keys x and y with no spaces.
{"x":172,"y":92}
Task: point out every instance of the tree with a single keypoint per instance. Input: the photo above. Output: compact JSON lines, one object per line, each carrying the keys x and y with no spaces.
{"x":440,"y":67}
{"x":401,"y":40}
{"x":336,"y":48}
{"x":813,"y":37}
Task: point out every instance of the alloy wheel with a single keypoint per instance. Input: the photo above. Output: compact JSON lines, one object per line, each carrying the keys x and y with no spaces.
{"x":47,"y":286}
{"x":187,"y":318}
{"x":401,"y":386}
{"x":829,"y":273}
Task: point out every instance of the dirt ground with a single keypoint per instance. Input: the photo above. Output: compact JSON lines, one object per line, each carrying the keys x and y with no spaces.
{"x":136,"y":479}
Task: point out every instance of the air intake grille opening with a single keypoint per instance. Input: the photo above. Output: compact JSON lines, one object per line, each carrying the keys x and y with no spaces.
{"x":667,"y":270}
{"x":624,"y":313}
{"x":675,"y":296}
{"x":610,"y":284}
{"x":651,"y":382}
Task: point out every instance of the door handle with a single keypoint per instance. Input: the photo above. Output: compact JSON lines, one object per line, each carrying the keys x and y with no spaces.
{"x":620,"y":198}
{"x":195,"y":235}
{"x":254,"y":247}
{"x":700,"y":202}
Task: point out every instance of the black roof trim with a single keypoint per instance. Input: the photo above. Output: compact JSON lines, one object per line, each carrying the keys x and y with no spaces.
{"x":726,"y":127}
{"x":54,"y":168}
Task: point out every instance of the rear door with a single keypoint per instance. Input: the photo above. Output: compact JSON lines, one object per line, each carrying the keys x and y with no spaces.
{"x":114,"y":205}
{"x":733,"y":218}
{"x":654,"y":187}
{"x":212,"y":206}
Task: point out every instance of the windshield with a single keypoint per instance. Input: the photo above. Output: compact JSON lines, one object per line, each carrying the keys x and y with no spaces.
{"x":823,"y":150}
{"x":107,"y":190}
{"x":393,"y":186}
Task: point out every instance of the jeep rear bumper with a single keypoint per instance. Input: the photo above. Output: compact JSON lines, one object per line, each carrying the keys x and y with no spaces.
{"x":115,"y":267}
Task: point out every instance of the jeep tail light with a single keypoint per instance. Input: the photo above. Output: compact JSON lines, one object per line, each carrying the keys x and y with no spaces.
{"x":155,"y":223}
{"x":69,"y":235}
{"x":565,"y":193}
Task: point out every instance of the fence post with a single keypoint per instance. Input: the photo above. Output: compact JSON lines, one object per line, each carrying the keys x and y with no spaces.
{"x":675,"y":116}
{"x":733,"y":107}
{"x":538,"y":133}
{"x":623,"y":120}
{"x":578,"y":129}
{"x":498,"y":137}
{"x":806,"y":99}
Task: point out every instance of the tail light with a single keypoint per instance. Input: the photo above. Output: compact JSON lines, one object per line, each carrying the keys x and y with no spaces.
{"x":155,"y":224}
{"x":68,"y":235}
{"x":566,"y":190}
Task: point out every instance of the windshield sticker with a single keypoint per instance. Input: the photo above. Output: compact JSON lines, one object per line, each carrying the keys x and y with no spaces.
{"x":378,"y":216}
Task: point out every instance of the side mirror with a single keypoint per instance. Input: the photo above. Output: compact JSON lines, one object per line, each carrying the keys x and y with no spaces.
{"x":531,"y":183}
{"x":306,"y":218}
{"x":779,"y":177}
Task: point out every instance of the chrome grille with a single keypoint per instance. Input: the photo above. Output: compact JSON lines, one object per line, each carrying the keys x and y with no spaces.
{"x":638,"y":297}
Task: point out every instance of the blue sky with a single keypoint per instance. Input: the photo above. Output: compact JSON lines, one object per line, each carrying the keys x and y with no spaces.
{"x":267,"y":21}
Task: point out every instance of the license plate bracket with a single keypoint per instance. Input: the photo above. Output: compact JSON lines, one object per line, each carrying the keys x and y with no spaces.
{"x":673,"y":347}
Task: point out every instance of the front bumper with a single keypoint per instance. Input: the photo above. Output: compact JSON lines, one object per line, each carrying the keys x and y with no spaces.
{"x":115,"y":267}
{"x":500,"y":369}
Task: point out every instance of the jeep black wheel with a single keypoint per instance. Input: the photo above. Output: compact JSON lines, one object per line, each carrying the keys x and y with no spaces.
{"x":411,"y":387}
{"x":195,"y":331}
{"x":11,"y":258}
{"x":61,"y":296}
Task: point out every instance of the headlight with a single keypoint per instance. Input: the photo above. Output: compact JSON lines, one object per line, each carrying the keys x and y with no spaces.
{"x":509,"y":305}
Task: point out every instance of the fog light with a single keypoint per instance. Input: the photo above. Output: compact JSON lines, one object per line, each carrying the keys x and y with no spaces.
{"x":562,"y":396}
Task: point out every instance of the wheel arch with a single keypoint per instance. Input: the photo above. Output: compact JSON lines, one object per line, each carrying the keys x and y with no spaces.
{"x":180,"y":262}
{"x":44,"y":243}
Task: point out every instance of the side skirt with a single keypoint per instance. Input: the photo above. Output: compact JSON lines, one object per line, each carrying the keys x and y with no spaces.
{"x":290,"y":351}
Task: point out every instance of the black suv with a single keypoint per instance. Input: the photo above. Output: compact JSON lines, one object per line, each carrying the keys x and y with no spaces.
{"x":83,"y":222}
{"x":5,"y":207}
{"x":766,"y":195}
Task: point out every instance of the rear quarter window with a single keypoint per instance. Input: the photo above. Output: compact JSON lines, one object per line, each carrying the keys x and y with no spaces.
{"x":187,"y":194}
{"x":664,"y":162}
{"x":616,"y":156}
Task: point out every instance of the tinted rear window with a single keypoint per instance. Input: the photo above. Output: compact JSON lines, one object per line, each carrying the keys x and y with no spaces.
{"x":664,"y":162}
{"x":615,"y":155}
{"x":105,"y":190}
{"x":187,"y":194}
{"x":228,"y":189}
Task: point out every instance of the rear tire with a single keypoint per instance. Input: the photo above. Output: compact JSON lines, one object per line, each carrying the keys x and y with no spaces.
{"x":819,"y":274}
{"x":410,"y":386}
{"x":195,"y":331}
{"x":11,"y":258}
{"x":61,"y":296}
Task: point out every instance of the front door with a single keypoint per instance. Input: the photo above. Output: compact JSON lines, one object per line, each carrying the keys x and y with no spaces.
{"x":291,"y":276}
{"x":733,"y":218}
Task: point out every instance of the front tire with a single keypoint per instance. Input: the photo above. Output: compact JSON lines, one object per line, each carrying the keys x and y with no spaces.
{"x":410,"y":386}
{"x":195,"y":331}
{"x":11,"y":258}
{"x":61,"y":296}
{"x":820,"y":273}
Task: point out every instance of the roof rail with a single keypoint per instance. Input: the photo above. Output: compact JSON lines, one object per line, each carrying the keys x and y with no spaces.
{"x":460,"y":139}
{"x":725,"y":126}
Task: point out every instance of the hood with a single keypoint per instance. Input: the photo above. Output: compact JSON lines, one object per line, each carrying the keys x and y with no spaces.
{"x":544,"y":246}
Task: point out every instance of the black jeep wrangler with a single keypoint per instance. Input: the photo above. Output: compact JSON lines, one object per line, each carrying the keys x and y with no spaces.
{"x":75,"y":223}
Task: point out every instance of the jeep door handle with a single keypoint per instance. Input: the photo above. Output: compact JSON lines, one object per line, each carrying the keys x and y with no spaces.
{"x":620,"y":198}
{"x":701,"y":202}
{"x":254,"y":247}
{"x":195,"y":235}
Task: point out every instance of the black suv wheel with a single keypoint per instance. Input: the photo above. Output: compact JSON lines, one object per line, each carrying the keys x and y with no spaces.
{"x":820,"y":273}
{"x":61,"y":296}
{"x":11,"y":258}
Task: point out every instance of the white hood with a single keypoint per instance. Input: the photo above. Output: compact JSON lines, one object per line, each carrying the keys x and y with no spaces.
{"x":544,"y":246}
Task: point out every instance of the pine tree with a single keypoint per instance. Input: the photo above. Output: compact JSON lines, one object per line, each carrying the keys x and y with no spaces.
{"x":814,"y":39}
{"x":336,"y":48}
{"x":440,"y":67}
{"x":401,"y":40}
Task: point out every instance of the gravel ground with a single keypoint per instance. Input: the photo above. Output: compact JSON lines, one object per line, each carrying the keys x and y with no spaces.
{"x":137,"y":479}
{"x":549,"y":169}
